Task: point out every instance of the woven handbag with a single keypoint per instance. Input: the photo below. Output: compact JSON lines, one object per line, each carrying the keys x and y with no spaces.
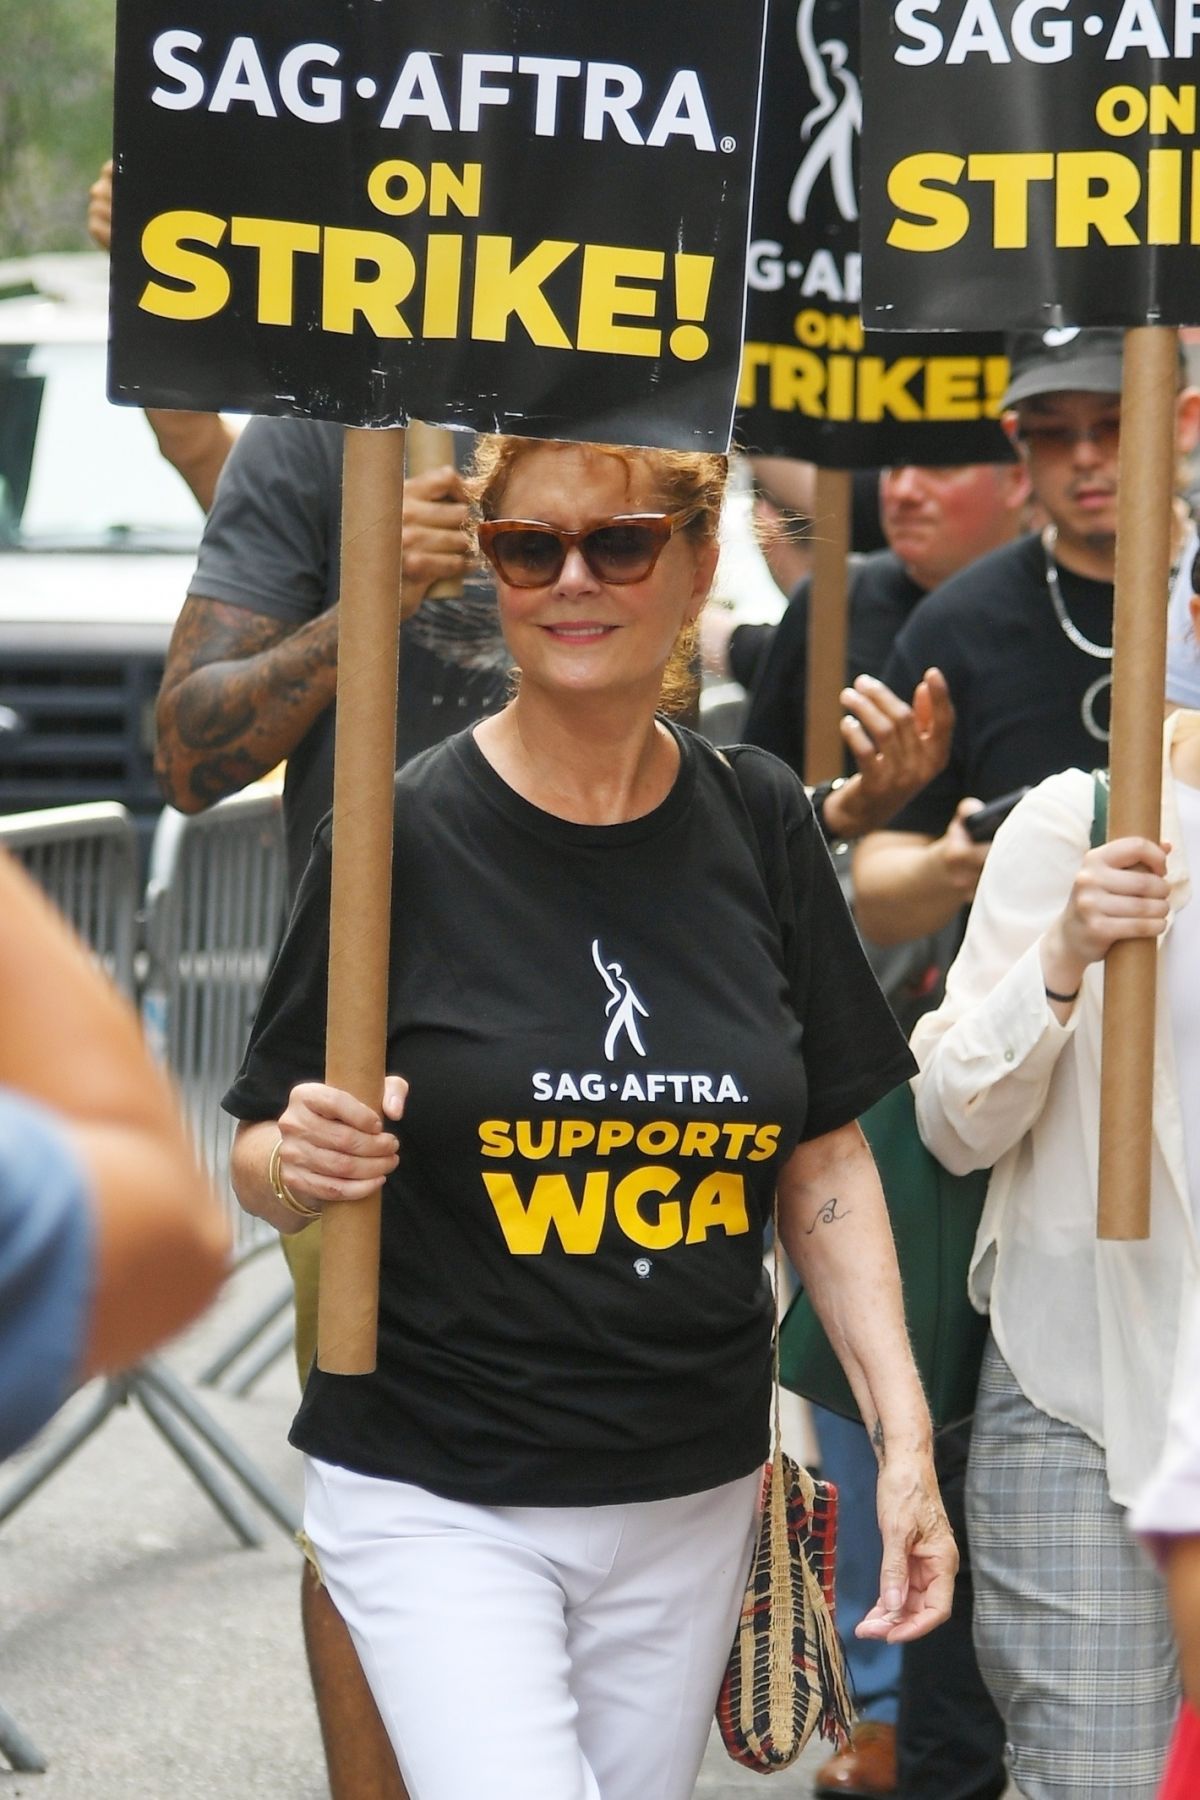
{"x":786,"y":1675}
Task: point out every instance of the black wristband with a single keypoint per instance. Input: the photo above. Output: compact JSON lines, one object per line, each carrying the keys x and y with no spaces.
{"x":1065,"y":999}
{"x":818,"y":797}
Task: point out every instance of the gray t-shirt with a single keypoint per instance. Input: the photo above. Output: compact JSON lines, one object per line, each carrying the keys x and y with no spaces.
{"x":272,"y":544}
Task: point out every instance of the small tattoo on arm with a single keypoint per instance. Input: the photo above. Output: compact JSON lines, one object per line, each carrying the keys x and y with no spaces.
{"x":877,"y":1438}
{"x":828,"y":1215}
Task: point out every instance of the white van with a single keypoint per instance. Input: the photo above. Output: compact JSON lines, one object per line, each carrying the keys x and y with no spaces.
{"x":97,"y":542}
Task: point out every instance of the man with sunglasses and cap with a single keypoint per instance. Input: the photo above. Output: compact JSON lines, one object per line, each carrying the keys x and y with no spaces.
{"x":250,"y":681}
{"x":1023,"y":637}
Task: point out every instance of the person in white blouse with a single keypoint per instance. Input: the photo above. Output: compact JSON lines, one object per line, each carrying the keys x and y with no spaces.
{"x":1071,"y":1623}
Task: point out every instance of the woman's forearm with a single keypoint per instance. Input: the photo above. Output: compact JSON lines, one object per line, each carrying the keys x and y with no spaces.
{"x":249,"y":1175}
{"x":834,"y":1226}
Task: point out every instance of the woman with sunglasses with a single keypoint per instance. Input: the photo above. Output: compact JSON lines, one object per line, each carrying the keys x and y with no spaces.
{"x":625,"y":1003}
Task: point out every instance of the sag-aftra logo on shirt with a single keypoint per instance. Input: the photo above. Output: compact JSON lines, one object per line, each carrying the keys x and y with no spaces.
{"x":670,"y":1199}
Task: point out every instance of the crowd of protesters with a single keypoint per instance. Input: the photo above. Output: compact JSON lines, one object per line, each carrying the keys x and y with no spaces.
{"x":540,"y":1506}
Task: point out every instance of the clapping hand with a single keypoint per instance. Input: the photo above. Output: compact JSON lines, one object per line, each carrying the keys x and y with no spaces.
{"x":898,"y":748}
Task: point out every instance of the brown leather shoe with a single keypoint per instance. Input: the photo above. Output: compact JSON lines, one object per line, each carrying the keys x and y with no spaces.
{"x":865,"y":1769}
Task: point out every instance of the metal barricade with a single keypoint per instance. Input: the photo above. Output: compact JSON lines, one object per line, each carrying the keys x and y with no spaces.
{"x":207,"y":935}
{"x":214,"y":908}
{"x":86,"y":860}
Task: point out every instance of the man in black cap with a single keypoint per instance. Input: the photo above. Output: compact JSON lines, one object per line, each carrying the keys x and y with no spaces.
{"x":1023,"y":637}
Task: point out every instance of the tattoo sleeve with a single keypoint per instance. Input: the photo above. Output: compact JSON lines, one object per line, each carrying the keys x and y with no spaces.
{"x":239,"y":692}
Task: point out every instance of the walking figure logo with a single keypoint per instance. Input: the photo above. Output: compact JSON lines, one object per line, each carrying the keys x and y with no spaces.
{"x":840,"y":119}
{"x":622,"y":1007}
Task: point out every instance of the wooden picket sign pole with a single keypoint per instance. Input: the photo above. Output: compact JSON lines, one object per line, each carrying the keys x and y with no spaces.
{"x":432,"y":447}
{"x":360,"y":902}
{"x":824,"y":751}
{"x":1146,"y":483}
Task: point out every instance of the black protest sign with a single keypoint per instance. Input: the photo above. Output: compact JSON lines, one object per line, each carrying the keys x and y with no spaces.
{"x":1031,"y":163}
{"x":813,"y":384}
{"x":507,"y":217}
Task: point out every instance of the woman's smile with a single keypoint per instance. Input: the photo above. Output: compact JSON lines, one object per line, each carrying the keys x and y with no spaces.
{"x":577,"y":632}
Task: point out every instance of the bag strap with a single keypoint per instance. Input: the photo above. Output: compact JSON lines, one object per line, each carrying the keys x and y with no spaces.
{"x":750,"y":829}
{"x":1099,"y":807}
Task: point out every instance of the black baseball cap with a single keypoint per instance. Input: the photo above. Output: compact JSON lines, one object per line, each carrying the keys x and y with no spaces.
{"x":1070,"y":360}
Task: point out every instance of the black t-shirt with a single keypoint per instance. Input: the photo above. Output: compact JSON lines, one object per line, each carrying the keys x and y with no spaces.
{"x":1028,"y":702}
{"x":613,"y":1037}
{"x":880,"y":599}
{"x":272,"y":544}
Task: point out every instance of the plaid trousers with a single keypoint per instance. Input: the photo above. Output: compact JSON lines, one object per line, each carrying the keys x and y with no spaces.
{"x":1071,"y":1624}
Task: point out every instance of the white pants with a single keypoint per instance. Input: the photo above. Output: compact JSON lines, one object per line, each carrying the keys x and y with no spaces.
{"x":537,"y":1653}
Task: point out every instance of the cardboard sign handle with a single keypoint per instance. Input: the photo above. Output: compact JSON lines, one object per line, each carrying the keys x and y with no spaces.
{"x":1146,"y":483}
{"x":360,"y":902}
{"x":824,"y":752}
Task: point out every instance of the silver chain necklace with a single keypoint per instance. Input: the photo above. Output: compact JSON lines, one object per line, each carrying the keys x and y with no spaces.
{"x":1070,"y":629}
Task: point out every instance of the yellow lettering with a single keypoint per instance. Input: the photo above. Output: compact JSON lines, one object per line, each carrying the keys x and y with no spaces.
{"x":614,"y":1135}
{"x":502,"y":289}
{"x":766,"y":1142}
{"x":381,"y":190}
{"x":699,"y":1138}
{"x":573,"y":1134}
{"x":1170,"y":111}
{"x":1120,"y":111}
{"x":809,"y":327}
{"x":443,"y":189}
{"x":1010,"y":176}
{"x":659,"y":1138}
{"x":845,"y":332}
{"x":883,"y":389}
{"x":534,"y":1150}
{"x":494,"y":1138}
{"x":736,"y":1139}
{"x":668,"y":1228}
{"x":1164,"y":197}
{"x":443,"y":286}
{"x":797,"y":382}
{"x":754,"y":358}
{"x":839,"y":387}
{"x":345,"y":293}
{"x":206,"y":289}
{"x":952,"y":387}
{"x":464,"y":192}
{"x":278,"y":242}
{"x":1097,"y":190}
{"x":910,"y":191}
{"x":828,"y":331}
{"x":526,"y":1228}
{"x":719,"y":1202}
{"x":604,"y":296}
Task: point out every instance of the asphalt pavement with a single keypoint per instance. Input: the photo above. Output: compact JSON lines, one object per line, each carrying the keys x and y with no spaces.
{"x":144,"y":1651}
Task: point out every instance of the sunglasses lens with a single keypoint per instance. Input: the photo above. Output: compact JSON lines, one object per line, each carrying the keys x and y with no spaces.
{"x":527,"y":558}
{"x":622,"y":552}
